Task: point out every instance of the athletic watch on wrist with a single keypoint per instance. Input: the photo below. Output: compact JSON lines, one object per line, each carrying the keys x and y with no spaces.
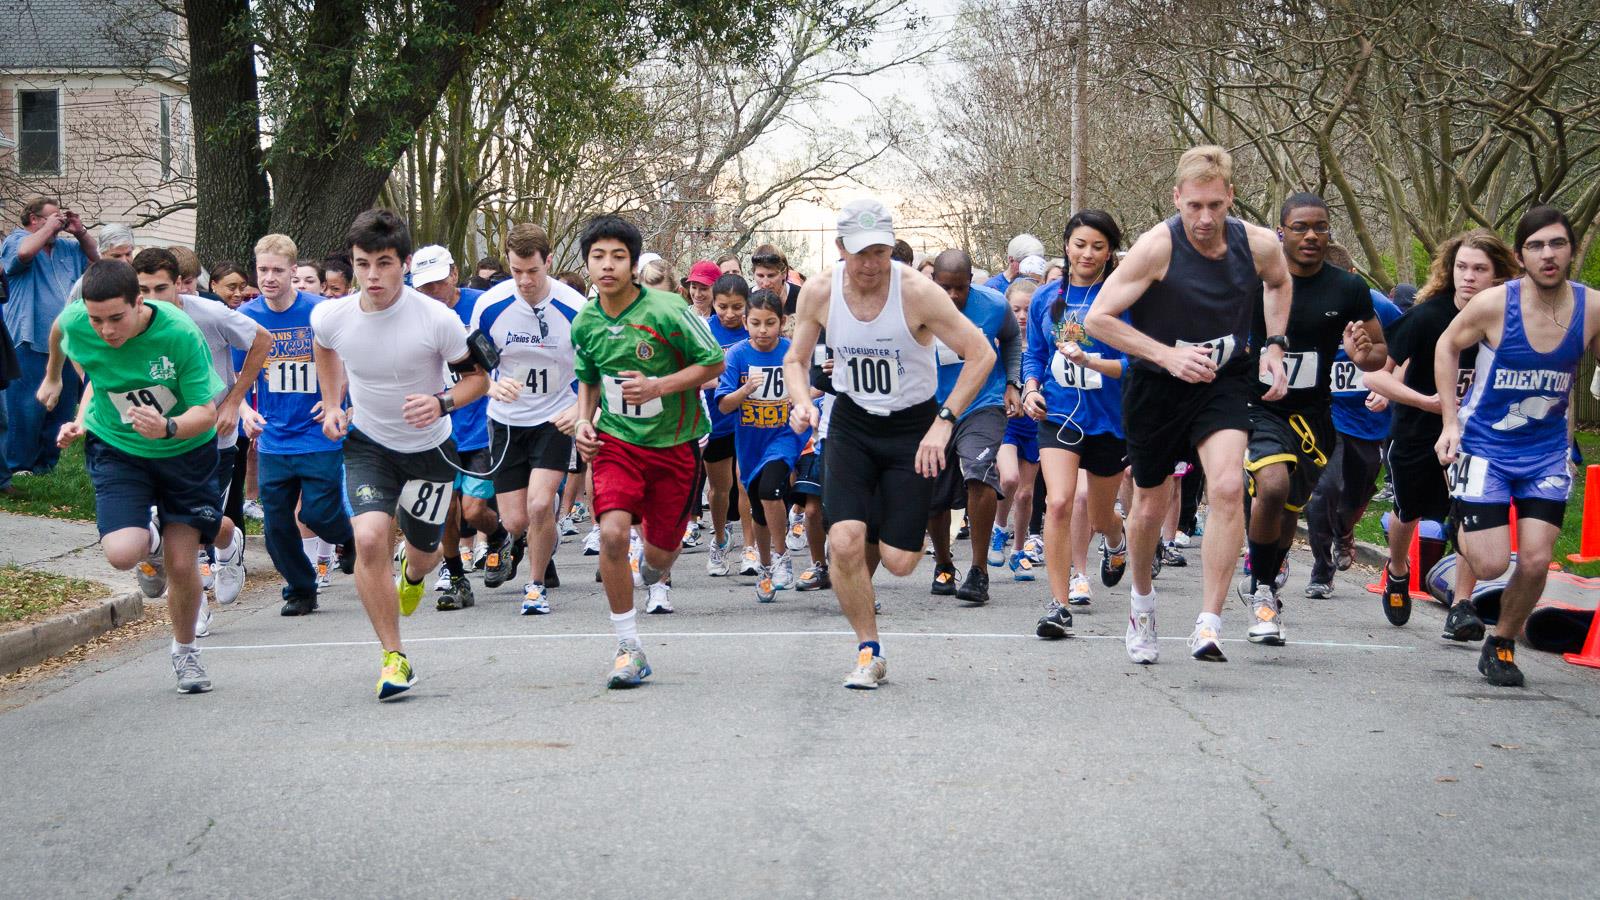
{"x":172,"y":427}
{"x":447,"y":403}
{"x":946,"y":415}
{"x":1281,"y":341}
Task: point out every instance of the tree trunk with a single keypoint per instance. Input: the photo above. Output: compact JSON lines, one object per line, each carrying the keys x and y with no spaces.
{"x":317,"y":200}
{"x":232,"y":203}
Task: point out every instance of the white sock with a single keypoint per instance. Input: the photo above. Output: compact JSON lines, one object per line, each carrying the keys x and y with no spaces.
{"x":177,"y":648}
{"x":155,"y":540}
{"x":1145,"y":604}
{"x":1210,"y":620}
{"x":309,"y":546}
{"x":626,"y":626}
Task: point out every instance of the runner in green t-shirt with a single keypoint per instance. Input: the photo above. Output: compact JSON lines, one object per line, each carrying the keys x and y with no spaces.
{"x":151,"y":427}
{"x":642,"y":356}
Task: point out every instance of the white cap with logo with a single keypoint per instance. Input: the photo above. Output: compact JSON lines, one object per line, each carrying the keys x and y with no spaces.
{"x":429,"y":264}
{"x":863,"y":223}
{"x":1033,"y":267}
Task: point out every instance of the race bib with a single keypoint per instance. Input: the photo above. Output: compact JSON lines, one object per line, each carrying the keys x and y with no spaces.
{"x":769,"y":381}
{"x":532,"y":379}
{"x":1463,"y":383}
{"x":1071,"y":375}
{"x":1467,"y":475}
{"x":616,"y":405}
{"x":1346,"y":378}
{"x":1221,"y":349}
{"x":943,"y":355}
{"x":1301,"y":370}
{"x":291,"y":376}
{"x":819,"y":355}
{"x":155,"y":397}
{"x":869,"y":375}
{"x":426,"y":501}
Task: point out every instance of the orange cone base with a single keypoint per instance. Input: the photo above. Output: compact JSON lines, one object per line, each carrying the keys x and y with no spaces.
{"x":1578,"y":659}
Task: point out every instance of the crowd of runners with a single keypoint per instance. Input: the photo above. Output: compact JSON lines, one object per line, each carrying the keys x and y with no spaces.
{"x":843,"y":419}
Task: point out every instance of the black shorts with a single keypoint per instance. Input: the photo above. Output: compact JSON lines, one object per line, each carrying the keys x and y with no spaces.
{"x":1303,"y":439}
{"x":1421,"y":490}
{"x":525,"y":448}
{"x":771,"y":483}
{"x":126,"y":486}
{"x":808,"y":474}
{"x":233,"y":500}
{"x":719,"y":448}
{"x":227,"y":457}
{"x":971,"y":457}
{"x":1101,"y":455}
{"x":872,"y":475}
{"x":415,"y":488}
{"x":1165,"y":418}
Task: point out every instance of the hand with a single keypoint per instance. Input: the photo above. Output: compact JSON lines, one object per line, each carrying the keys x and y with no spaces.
{"x":1357,"y":343}
{"x":1191,"y":364}
{"x":930,"y":453}
{"x":1034,"y":405}
{"x":1272,"y":367}
{"x":56,"y":222}
{"x":827,"y":366}
{"x":316,"y":411}
{"x":336,"y":424}
{"x":148,"y":423}
{"x":73,"y":225}
{"x":49,"y":393}
{"x":505,"y":389}
{"x":1377,"y":402}
{"x":803,"y":417}
{"x":227,"y":418}
{"x":420,"y":410}
{"x":587,"y":439}
{"x":254,"y":422}
{"x":1073,"y":351}
{"x":638,"y":390}
{"x":566,"y":419}
{"x":70,"y":431}
{"x":1013,"y":402}
{"x":1449,"y":443}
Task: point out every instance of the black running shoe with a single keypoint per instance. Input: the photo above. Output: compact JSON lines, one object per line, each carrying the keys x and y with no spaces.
{"x":1463,"y":624}
{"x":1319,"y":590}
{"x":1498,"y":663}
{"x":1056,"y":623}
{"x":965,"y":531}
{"x":551,"y":579}
{"x":347,"y":557}
{"x":1396,"y":598}
{"x":497,"y":566}
{"x":457,"y":596}
{"x":1113,"y":562}
{"x":1155,"y":563}
{"x":1171,"y":557}
{"x":298,"y":605}
{"x":944,"y":582}
{"x":976,"y":588}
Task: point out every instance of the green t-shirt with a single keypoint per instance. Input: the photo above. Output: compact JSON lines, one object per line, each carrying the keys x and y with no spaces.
{"x":658,"y":334}
{"x":168,"y":366}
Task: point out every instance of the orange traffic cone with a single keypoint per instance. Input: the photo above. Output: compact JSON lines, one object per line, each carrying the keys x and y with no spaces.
{"x":1414,"y":581}
{"x":1589,"y":543}
{"x":1591,"y":646}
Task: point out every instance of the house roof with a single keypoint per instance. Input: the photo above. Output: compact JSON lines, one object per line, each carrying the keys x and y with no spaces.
{"x":75,"y":35}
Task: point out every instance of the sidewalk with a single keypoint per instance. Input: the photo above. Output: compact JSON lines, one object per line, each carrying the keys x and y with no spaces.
{"x":60,"y":547}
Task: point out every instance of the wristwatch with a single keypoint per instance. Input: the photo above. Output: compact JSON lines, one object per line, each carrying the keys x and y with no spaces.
{"x":1281,"y":341}
{"x":447,"y":403}
{"x":946,"y":415}
{"x":172,"y":427}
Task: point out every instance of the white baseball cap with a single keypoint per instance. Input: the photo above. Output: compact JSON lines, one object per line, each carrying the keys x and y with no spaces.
{"x":1034,"y":267}
{"x":1023,"y":246}
{"x":646,"y":259}
{"x":429,"y":264}
{"x":863,"y":223}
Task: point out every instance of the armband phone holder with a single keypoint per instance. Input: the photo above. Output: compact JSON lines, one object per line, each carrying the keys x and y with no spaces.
{"x":481,"y":350}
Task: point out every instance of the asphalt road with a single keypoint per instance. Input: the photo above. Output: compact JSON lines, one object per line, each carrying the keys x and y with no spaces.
{"x":1359,"y":760}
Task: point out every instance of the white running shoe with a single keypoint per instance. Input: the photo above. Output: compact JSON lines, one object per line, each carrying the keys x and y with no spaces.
{"x":691,"y":535}
{"x":635,"y":553}
{"x":1034,"y":547}
{"x":783,"y":573}
{"x":751,"y":563}
{"x":580,"y":513}
{"x":566,"y":526}
{"x":1078,"y":590}
{"x":253,"y":510}
{"x":659,"y":601}
{"x":870,"y":671}
{"x":208,"y":578}
{"x":1267,"y":627}
{"x":1205,"y":644}
{"x":480,"y":552}
{"x":766,"y":591}
{"x":534,"y":600}
{"x":1180,"y":540}
{"x":230,"y":569}
{"x":202,"y":619}
{"x":717,"y":560}
{"x":796,"y":539}
{"x":1143,"y":648}
{"x":400,"y":550}
{"x":591,"y":542}
{"x":443,"y":582}
{"x":192,"y":677}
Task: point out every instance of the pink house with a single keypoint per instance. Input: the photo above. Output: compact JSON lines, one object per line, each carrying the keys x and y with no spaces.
{"x":94,"y":108}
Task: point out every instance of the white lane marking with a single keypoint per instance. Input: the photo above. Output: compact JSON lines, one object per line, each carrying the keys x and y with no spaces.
{"x":654,"y":635}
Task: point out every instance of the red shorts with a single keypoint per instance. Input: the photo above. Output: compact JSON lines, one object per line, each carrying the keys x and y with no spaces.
{"x":660,"y":486}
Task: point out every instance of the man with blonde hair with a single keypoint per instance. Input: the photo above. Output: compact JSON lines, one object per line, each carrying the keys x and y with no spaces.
{"x":1190,"y":288}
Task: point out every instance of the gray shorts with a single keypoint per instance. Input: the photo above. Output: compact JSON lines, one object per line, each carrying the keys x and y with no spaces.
{"x":971,"y":458}
{"x":415,"y":488}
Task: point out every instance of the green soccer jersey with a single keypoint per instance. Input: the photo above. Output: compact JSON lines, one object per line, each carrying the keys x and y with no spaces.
{"x":658,"y":334}
{"x":167,"y":367}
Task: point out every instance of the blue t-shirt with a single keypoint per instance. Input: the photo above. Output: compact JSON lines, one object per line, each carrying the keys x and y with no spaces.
{"x":761,"y":431}
{"x":1349,"y":389}
{"x":987,"y":310}
{"x":469,"y":425}
{"x":998,"y":283}
{"x":722,"y":423}
{"x":287,"y":388}
{"x":1090,"y":400}
{"x":39,"y":286}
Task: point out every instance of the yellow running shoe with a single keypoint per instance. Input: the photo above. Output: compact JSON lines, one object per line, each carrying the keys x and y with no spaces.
{"x":410,"y":594}
{"x":397,"y":677}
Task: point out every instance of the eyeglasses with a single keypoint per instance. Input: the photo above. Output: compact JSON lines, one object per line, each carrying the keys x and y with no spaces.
{"x":1302,"y":228}
{"x":1557,"y":244}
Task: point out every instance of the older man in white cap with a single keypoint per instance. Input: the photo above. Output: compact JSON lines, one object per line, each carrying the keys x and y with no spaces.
{"x":887,"y":435}
{"x":1021,"y":247}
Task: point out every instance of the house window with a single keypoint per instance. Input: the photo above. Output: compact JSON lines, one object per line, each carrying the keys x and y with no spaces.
{"x":39,"y":132}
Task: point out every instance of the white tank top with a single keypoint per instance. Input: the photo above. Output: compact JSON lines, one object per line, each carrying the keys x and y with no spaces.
{"x":879,"y":364}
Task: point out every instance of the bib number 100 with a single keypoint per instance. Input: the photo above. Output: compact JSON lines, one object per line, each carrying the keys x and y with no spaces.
{"x":871,"y":375}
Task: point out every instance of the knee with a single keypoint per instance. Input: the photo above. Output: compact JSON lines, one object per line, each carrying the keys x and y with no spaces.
{"x":124,"y":556}
{"x":372,"y":541}
{"x":1057,"y":508}
{"x":1532,"y":560}
{"x":847,"y":547}
{"x":900,"y":563}
{"x":614,"y":536}
{"x":1226,"y":489}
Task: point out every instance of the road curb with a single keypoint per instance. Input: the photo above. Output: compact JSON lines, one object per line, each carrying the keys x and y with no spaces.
{"x":1366,"y":554}
{"x":32,"y":645}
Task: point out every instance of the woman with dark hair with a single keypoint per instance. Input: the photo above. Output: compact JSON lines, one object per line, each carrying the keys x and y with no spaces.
{"x":1072,"y":388}
{"x":229,"y":281}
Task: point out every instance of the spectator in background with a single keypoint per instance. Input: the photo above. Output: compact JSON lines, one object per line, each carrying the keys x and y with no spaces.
{"x":8,"y":371}
{"x":1033,"y":268}
{"x":702,"y":275}
{"x":188,"y":270}
{"x":657,"y":274}
{"x":771,"y":270}
{"x":308,"y":277}
{"x":115,"y":242}
{"x":575,"y":281}
{"x":484,"y":274}
{"x":902,"y":253}
{"x":229,"y":281}
{"x":1404,"y":296}
{"x":1021,"y":247}
{"x":729,"y":264}
{"x":40,"y":260}
{"x":338,"y":277}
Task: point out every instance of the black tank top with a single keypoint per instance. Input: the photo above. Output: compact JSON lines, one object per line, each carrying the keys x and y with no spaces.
{"x":1203,"y":300}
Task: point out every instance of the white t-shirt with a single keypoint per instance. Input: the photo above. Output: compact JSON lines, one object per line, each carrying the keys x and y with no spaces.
{"x":535,"y":344}
{"x":225,"y":330}
{"x":389,"y":355}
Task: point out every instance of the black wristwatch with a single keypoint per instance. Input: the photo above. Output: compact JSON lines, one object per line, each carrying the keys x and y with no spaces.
{"x":447,"y":403}
{"x":946,"y":415}
{"x":1281,"y":341}
{"x":172,"y":427}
